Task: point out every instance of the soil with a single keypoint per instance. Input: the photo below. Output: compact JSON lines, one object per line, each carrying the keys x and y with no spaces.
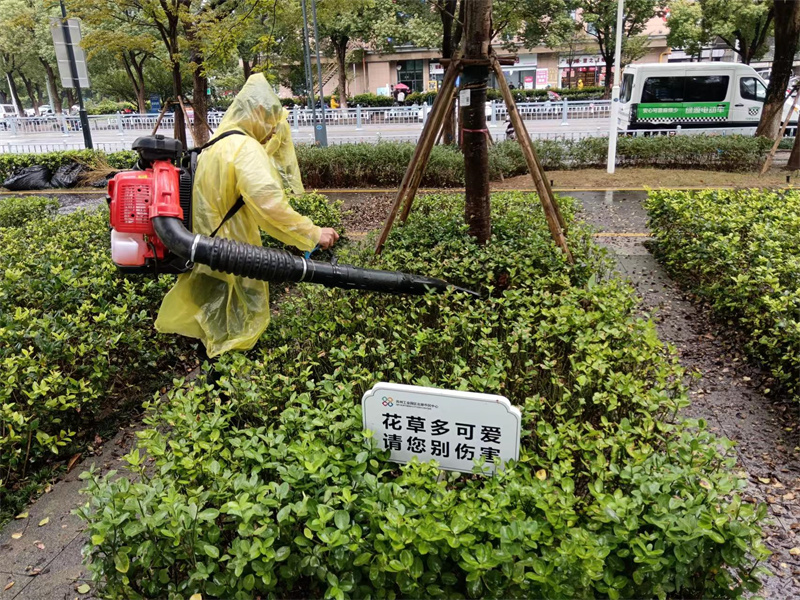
{"x":732,"y":395}
{"x":585,"y":179}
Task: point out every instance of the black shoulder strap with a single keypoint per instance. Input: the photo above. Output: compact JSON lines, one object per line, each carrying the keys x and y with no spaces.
{"x":216,"y":139}
{"x":239,"y":201}
{"x":232,"y":211}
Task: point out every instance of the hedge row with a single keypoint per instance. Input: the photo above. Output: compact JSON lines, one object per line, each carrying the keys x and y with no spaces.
{"x":266,"y":486}
{"x":369,"y":99}
{"x":384,"y":163}
{"x":740,"y":251}
{"x":77,"y":342}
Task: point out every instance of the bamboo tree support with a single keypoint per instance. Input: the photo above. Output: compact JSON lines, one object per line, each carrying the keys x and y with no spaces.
{"x":774,"y":149}
{"x":552,"y":213}
{"x":202,"y":120}
{"x":188,"y":122}
{"x":161,"y":116}
{"x":422,"y":151}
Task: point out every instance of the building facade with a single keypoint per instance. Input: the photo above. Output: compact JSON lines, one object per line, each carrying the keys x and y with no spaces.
{"x":535,"y":68}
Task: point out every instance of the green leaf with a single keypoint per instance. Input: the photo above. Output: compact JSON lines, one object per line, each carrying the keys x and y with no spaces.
{"x":121,"y":562}
{"x":342,"y":519}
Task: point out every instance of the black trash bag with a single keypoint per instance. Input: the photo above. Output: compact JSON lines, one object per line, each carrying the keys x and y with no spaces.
{"x":36,"y":177}
{"x":66,"y":176}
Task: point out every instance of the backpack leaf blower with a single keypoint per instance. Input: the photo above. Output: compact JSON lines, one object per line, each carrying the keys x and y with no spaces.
{"x":151,"y":231}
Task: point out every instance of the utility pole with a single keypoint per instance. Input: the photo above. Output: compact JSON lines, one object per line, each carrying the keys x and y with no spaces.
{"x":474,"y":79}
{"x":321,"y":128}
{"x":613,"y":127}
{"x":87,"y":134}
{"x":307,"y":64}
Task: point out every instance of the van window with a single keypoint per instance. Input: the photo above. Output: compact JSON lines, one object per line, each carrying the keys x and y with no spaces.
{"x":7,"y":108}
{"x":627,"y":88}
{"x":663,"y":89}
{"x":705,"y":88}
{"x":752,"y":89}
{"x":708,"y":88}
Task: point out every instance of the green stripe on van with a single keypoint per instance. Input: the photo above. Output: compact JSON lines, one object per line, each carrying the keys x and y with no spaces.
{"x":696,"y":111}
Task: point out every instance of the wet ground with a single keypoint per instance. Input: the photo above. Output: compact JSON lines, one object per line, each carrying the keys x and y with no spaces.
{"x":731,"y":395}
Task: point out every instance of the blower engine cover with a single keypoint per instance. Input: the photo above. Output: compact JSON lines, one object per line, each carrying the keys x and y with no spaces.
{"x":135,"y":197}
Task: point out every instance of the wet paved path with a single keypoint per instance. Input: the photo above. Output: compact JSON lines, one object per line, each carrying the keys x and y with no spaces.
{"x":730,"y":394}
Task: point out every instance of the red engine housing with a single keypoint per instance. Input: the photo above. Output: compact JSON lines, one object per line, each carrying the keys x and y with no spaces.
{"x":136,"y":197}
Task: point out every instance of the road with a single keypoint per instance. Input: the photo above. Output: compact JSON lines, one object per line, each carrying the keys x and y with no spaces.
{"x":112,"y":139}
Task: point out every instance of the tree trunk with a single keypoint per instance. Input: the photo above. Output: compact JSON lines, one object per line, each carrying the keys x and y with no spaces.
{"x":787,"y":30}
{"x":179,"y":133}
{"x":199,"y":99}
{"x":71,"y":98}
{"x":3,"y":97}
{"x":609,"y":82}
{"x":340,"y":46}
{"x":477,"y":27}
{"x":31,"y":94}
{"x":12,"y":85}
{"x":447,"y":14}
{"x":51,"y":78}
{"x":247,"y":69}
{"x":39,"y":94}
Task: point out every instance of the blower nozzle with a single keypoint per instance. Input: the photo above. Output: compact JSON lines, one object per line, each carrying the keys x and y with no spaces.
{"x":269,"y":264}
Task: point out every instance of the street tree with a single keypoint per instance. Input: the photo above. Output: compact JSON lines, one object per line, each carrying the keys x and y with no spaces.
{"x":600,"y":17}
{"x":787,"y":31}
{"x":118,"y":32}
{"x":743,"y":25}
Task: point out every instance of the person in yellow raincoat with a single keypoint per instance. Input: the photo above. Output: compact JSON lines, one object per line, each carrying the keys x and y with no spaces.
{"x":226,"y":312}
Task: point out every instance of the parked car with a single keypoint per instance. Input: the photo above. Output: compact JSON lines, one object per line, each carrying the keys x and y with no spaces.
{"x":6,"y":111}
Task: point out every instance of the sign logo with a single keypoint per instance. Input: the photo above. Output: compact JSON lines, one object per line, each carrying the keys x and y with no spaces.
{"x":386,"y":401}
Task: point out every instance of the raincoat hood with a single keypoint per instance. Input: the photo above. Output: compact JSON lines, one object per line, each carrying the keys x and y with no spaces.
{"x":257,"y":111}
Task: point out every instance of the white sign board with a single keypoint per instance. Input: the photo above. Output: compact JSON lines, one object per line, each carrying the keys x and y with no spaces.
{"x":464,"y":97}
{"x":62,"y":56}
{"x":451,"y":427}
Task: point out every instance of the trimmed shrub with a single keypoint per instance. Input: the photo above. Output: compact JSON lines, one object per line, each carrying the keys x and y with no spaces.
{"x":15,"y":212}
{"x":739,"y":250}
{"x":266,"y":485}
{"x":77,"y":341}
{"x":384,"y":163}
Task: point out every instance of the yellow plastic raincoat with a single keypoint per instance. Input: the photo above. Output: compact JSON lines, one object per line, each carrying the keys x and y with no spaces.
{"x":227,"y":312}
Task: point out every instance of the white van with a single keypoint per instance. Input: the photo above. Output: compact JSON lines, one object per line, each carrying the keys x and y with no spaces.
{"x":6,"y":110}
{"x":710,"y":95}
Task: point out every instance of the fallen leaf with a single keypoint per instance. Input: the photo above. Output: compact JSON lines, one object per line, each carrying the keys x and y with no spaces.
{"x":794,"y":551}
{"x":789,"y":496}
{"x":72,"y":462}
{"x":83,"y":589}
{"x":196,"y":597}
{"x":39,"y":545}
{"x":541,"y":475}
{"x":48,"y":488}
{"x":16,"y":535}
{"x":35,"y":572}
{"x":22,"y":515}
{"x":44,"y":521}
{"x":9,"y":585}
{"x":764,"y":479}
{"x":98,"y":440}
{"x":705,"y":485}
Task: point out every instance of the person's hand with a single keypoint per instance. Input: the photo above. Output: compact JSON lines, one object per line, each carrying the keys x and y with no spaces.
{"x":327,"y":237}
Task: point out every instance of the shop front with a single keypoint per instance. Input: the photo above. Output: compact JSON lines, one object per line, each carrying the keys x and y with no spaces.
{"x":581,"y":71}
{"x":520,"y":75}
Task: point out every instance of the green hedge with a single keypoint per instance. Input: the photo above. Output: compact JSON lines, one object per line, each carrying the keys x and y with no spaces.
{"x":384,"y":163}
{"x":77,"y":342}
{"x":15,"y":212}
{"x":740,"y":251}
{"x":269,"y":488}
{"x":370,"y":99}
